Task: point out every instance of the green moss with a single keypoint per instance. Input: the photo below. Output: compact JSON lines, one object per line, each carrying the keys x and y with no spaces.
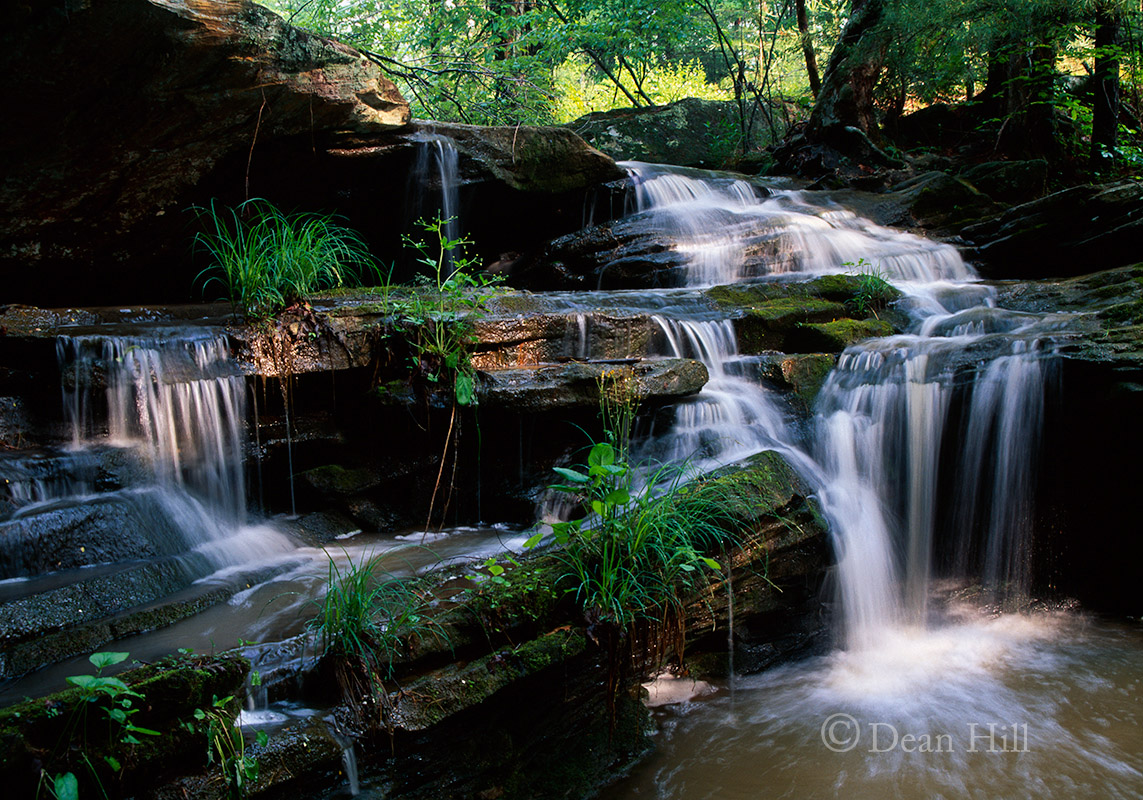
{"x":429,"y":701}
{"x":757,"y":487}
{"x":833,"y":337}
{"x":338,"y":480}
{"x":806,"y":374}
{"x":773,"y":314}
{"x":1130,"y":312}
{"x":841,"y":288}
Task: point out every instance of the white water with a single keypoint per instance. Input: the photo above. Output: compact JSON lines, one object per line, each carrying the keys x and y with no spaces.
{"x":730,"y":230}
{"x":180,"y":402}
{"x":436,"y":182}
{"x":924,"y":451}
{"x":881,"y":420}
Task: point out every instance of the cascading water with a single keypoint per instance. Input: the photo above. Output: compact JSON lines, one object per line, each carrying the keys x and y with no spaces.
{"x":923,"y":455}
{"x":180,"y":402}
{"x":730,"y":230}
{"x":183,"y":400}
{"x":435,"y":182}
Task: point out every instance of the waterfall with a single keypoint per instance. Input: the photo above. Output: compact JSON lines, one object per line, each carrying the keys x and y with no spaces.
{"x":884,"y":438}
{"x":731,"y":418}
{"x":435,"y":181}
{"x":729,"y":230}
{"x":180,"y":402}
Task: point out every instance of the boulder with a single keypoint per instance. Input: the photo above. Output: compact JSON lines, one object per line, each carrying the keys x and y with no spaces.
{"x":576,"y":384}
{"x":527,"y":158}
{"x":934,"y":200}
{"x":689,"y":132}
{"x":1070,"y":232}
{"x":124,"y":106}
{"x":823,"y":315}
{"x":1009,"y":181}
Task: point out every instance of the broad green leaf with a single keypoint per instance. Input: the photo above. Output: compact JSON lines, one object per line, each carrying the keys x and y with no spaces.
{"x":261,"y":738}
{"x":82,"y":681}
{"x":601,"y":454}
{"x":618,"y":497}
{"x":465,"y":390}
{"x":66,"y":787}
{"x":101,"y":660}
{"x":533,"y":540}
{"x":572,"y":475}
{"x":710,"y":562}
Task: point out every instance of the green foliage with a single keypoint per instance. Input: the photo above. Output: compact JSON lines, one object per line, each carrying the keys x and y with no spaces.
{"x":873,"y":292}
{"x":226,"y":746}
{"x":437,"y":320}
{"x":119,"y":697}
{"x":265,"y":259}
{"x":64,"y":786}
{"x":366,"y":614}
{"x":636,"y":547}
{"x":499,"y":62}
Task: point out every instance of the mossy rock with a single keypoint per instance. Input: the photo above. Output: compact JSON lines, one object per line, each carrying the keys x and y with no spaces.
{"x":773,"y":315}
{"x":803,"y":374}
{"x":339,"y":481}
{"x":427,"y":702}
{"x":833,"y":337}
{"x":45,"y":733}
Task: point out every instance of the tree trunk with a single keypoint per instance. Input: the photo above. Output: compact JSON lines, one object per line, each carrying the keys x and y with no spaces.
{"x":807,"y":47}
{"x":1019,"y":92}
{"x":1105,"y":116}
{"x":846,"y":96}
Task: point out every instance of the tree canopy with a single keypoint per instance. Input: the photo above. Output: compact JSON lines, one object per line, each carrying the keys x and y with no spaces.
{"x":1067,"y":69}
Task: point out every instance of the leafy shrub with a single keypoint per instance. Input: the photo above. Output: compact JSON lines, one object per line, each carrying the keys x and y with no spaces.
{"x":437,"y":318}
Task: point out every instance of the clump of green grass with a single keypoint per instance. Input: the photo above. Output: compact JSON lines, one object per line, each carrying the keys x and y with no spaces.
{"x":873,"y":292}
{"x":265,"y":259}
{"x":364,"y":621}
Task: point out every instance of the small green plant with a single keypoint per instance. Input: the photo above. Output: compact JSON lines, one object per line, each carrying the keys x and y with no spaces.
{"x":873,"y":291}
{"x":86,"y":735}
{"x":226,"y":746}
{"x":119,"y":707}
{"x":437,"y":319}
{"x":363,"y":620}
{"x":266,"y":260}
{"x":64,"y":786}
{"x":637,"y":547}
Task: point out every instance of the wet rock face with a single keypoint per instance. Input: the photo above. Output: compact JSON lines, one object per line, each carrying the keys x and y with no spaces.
{"x":1070,"y":232}
{"x":553,"y":387}
{"x":123,"y":106}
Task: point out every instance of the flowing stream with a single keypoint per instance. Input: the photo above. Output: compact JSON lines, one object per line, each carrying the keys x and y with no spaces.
{"x":946,"y":680}
{"x":934,"y":691}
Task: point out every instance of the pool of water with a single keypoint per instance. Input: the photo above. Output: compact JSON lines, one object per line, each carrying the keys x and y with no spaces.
{"x":981,"y":705}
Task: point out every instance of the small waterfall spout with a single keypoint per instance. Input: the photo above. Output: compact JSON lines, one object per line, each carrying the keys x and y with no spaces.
{"x":182,"y":399}
{"x":435,"y":182}
{"x":181,"y":403}
{"x":731,"y":418}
